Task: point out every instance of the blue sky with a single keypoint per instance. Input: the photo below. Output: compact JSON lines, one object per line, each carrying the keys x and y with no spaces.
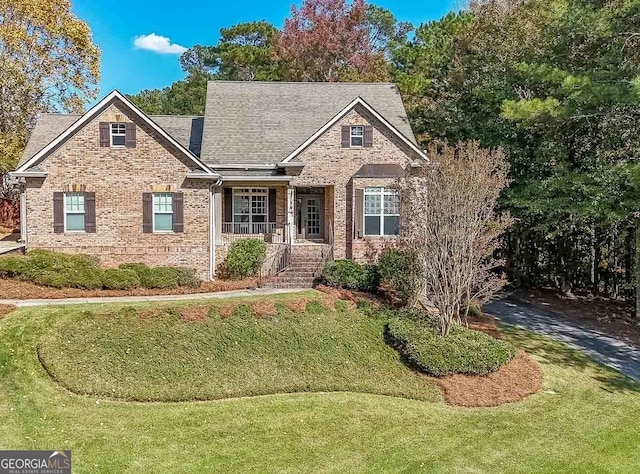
{"x":115,"y":26}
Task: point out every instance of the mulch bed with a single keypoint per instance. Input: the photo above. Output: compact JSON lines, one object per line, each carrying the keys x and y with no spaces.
{"x":194,"y":314}
{"x":22,"y":290}
{"x":6,"y":309}
{"x":511,"y":383}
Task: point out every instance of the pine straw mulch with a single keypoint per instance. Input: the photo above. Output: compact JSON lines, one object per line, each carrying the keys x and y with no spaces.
{"x":19,"y":290}
{"x":194,"y":314}
{"x":6,"y":309}
{"x":512,"y":382}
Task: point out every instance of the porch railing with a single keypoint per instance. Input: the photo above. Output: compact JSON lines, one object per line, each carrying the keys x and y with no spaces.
{"x":327,"y":255}
{"x":276,"y":263}
{"x":269,"y":231}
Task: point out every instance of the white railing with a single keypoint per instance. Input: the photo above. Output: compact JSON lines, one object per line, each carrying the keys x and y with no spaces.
{"x":269,"y":231}
{"x":247,"y":228}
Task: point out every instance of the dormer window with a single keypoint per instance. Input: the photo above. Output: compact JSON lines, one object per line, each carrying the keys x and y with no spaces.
{"x":118,"y":134}
{"x":357,"y":136}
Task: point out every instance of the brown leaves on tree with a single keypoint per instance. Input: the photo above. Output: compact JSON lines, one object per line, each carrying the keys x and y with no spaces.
{"x":328,"y":41}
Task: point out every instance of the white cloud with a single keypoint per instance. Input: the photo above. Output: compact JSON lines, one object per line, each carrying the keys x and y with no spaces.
{"x":158,"y":44}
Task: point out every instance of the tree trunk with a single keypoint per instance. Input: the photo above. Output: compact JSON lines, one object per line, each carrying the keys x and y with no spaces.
{"x":637,"y":266}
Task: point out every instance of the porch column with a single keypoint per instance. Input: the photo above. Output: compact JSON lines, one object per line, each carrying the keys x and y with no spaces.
{"x":291,"y":204}
{"x":217,"y":210}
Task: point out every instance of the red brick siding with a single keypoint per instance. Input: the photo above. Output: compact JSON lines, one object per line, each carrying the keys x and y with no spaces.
{"x":119,"y":177}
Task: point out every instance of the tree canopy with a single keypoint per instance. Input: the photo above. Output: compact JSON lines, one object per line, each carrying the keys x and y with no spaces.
{"x":48,"y":63}
{"x":555,"y":84}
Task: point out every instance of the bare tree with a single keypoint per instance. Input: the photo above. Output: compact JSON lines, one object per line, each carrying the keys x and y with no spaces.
{"x":449,"y":219}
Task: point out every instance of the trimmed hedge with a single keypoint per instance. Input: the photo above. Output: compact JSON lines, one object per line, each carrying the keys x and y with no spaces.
{"x":245,"y":258}
{"x":162,"y":277}
{"x":347,"y":274}
{"x":61,"y":270}
{"x":402,"y":271}
{"x":463,"y":351}
{"x":120,"y":279}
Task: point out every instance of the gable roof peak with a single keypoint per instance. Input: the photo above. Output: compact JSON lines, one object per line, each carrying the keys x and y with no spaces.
{"x":94,"y":112}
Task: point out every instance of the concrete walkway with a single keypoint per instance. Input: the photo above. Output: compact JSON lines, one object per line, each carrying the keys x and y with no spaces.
{"x":605,"y":349}
{"x":155,"y":298}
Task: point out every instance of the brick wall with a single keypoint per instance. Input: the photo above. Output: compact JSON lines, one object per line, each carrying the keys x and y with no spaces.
{"x":328,"y":164}
{"x":119,"y":177}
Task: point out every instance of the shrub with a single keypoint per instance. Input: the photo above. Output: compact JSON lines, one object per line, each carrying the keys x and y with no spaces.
{"x":12,"y":266}
{"x":120,"y":279}
{"x":462,"y":351}
{"x":401,"y":270}
{"x":187,"y":277}
{"x":50,"y":278}
{"x":348,"y":274}
{"x":141,"y":269}
{"x":162,"y":277}
{"x":54,"y":269}
{"x":245,"y":257}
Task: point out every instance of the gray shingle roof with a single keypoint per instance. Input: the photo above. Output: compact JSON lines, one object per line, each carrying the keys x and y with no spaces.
{"x":263,"y":122}
{"x":185,"y":130}
{"x":253,"y":122}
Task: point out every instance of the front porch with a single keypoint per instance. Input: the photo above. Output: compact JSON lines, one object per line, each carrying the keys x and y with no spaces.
{"x":275,"y":214}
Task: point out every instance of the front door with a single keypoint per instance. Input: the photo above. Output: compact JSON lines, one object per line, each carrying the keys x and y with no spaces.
{"x":310,"y":216}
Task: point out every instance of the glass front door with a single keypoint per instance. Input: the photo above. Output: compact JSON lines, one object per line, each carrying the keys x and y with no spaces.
{"x":310,"y":216}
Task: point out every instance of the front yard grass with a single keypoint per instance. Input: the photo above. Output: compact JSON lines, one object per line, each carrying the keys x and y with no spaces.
{"x":155,"y":355}
{"x":584,"y":420}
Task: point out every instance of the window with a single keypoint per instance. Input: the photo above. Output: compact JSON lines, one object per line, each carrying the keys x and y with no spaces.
{"x":250,"y":214}
{"x":163,"y":212}
{"x":118,"y":134}
{"x":381,"y":212}
{"x":357,"y":136}
{"x":74,"y":215}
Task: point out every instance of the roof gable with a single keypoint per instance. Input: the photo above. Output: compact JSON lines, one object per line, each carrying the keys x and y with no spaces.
{"x":264,"y":122}
{"x":73,"y":123}
{"x":357,"y":102}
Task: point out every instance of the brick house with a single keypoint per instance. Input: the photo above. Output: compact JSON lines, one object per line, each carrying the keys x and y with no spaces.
{"x":306,"y":166}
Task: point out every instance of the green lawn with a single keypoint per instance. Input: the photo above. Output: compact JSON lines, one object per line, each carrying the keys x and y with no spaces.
{"x":116,"y":353}
{"x":584,"y":420}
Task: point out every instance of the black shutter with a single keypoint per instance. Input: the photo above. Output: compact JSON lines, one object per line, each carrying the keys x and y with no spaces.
{"x":368,"y":136}
{"x":346,"y":136}
{"x":90,"y":213}
{"x":130,"y":135}
{"x":58,"y":212}
{"x":358,"y":214}
{"x":105,"y":134}
{"x":147,"y":213}
{"x":228,"y":204}
{"x":178,"y":212}
{"x":272,"y":205}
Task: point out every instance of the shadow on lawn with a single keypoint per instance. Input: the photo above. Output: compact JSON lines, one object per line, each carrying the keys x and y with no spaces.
{"x":557,"y":353}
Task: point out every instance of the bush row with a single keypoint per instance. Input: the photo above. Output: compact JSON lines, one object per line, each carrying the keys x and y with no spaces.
{"x":397,"y":269}
{"x":60,"y":270}
{"x":463,"y":351}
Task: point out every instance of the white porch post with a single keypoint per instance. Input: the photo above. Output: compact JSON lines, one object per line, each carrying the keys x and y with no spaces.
{"x":291,"y":205}
{"x":23,"y":215}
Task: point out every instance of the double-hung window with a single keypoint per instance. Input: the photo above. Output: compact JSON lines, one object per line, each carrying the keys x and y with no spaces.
{"x":163,"y":212}
{"x":357,"y":136}
{"x":118,"y":134}
{"x":74,"y":213}
{"x":381,"y":212}
{"x":250,"y":210}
